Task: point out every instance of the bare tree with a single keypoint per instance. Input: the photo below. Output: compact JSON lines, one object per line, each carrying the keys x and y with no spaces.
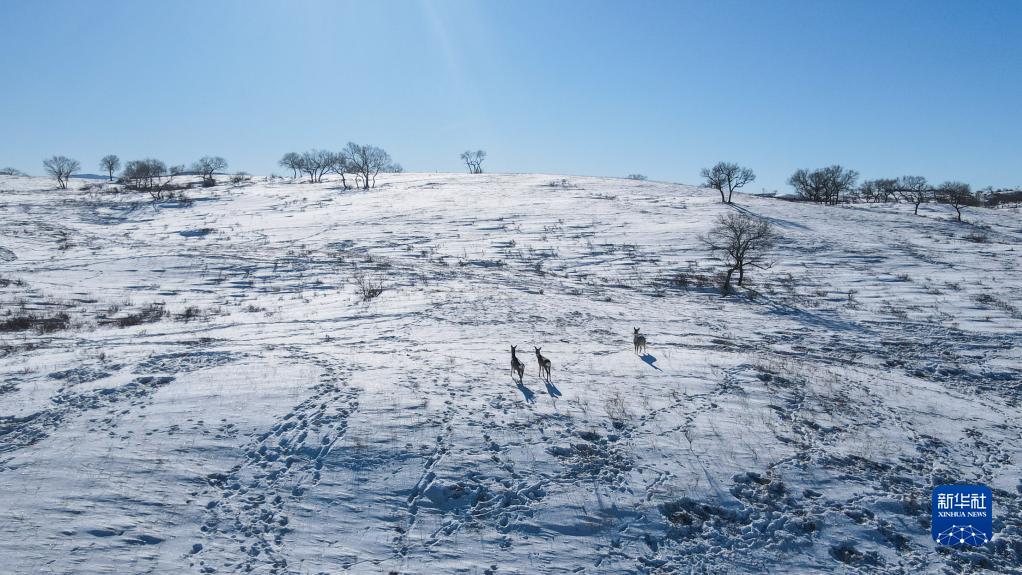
{"x":110,"y":164}
{"x":825,"y":185}
{"x":317,"y":163}
{"x":727,"y":177}
{"x":955,"y":194}
{"x":207,"y":166}
{"x":367,"y":162}
{"x":881,"y":190}
{"x":307,"y":164}
{"x":341,"y":166}
{"x":914,"y":189}
{"x":145,"y":175}
{"x":61,"y":167}
{"x":367,"y":286}
{"x":741,"y":242}
{"x":291,"y":161}
{"x":474,"y":160}
{"x":638,"y":177}
{"x":9,"y":171}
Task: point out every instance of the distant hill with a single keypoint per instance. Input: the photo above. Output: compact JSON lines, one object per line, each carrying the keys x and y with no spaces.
{"x":278,"y":377}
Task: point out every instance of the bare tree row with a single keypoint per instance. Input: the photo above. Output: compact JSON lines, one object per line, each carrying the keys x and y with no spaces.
{"x":830,"y":185}
{"x":363,"y":161}
{"x":142,"y":174}
{"x":835,"y":184}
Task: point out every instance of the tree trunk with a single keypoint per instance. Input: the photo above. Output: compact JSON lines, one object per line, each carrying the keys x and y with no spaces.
{"x":741,"y":274}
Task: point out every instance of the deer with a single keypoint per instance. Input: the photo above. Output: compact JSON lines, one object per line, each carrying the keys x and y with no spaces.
{"x":544,"y":364}
{"x":639,"y":341}
{"x":516,"y":365}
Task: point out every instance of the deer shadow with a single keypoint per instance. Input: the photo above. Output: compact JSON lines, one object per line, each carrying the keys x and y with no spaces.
{"x":650,"y":361}
{"x":552,"y":389}
{"x":528,"y":394}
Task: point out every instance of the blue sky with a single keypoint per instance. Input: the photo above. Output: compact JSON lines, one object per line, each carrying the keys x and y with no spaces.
{"x":602,"y":88}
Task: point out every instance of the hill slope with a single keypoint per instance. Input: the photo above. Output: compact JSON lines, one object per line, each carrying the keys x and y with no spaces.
{"x":200,"y":386}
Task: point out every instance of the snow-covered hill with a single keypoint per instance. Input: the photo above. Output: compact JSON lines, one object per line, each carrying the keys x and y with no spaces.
{"x":200,"y":387}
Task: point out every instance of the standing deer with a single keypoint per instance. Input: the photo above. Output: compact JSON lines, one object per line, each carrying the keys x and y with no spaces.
{"x":544,"y":365}
{"x":639,"y":341}
{"x":516,"y":365}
